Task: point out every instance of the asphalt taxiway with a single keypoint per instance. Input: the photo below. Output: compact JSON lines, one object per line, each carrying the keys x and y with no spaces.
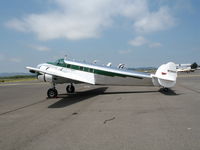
{"x":100,"y":117}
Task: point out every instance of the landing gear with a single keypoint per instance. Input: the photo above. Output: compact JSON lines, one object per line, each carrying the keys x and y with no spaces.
{"x":70,"y":88}
{"x":165,"y":90}
{"x":52,"y":92}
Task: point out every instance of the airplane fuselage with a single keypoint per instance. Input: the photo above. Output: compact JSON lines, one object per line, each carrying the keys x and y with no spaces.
{"x":94,"y":76}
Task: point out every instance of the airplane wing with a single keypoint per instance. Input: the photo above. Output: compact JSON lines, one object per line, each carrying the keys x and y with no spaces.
{"x":86,"y":73}
{"x":86,"y":78}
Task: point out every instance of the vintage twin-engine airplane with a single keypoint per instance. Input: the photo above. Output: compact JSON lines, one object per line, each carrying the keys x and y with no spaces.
{"x":67,"y":71}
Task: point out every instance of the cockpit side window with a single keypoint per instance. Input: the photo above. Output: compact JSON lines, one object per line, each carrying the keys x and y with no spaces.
{"x":60,"y":62}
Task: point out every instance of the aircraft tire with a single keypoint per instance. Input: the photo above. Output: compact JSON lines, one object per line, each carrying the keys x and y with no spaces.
{"x":165,"y":90}
{"x":52,"y":93}
{"x":70,"y":89}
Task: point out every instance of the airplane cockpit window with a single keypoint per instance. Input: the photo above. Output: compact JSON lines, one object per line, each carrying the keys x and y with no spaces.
{"x":60,"y":62}
{"x":57,"y":62}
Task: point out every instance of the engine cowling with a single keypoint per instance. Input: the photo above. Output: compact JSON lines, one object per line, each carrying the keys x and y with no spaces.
{"x":50,"y":78}
{"x":45,"y":78}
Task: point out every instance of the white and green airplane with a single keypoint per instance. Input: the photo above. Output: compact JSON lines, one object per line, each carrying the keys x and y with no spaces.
{"x":72,"y":72}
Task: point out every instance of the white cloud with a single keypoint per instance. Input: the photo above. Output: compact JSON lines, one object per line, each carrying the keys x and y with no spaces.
{"x":138,"y":41}
{"x":155,"y":21}
{"x":88,"y":18}
{"x":39,"y":48}
{"x":17,"y":24}
{"x":141,"y":41}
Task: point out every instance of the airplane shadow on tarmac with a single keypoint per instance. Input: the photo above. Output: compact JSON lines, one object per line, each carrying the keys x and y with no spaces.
{"x":69,"y":99}
{"x":170,"y":92}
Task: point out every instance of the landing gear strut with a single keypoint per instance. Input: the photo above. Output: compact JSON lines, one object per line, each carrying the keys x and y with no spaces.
{"x":52,"y":92}
{"x":70,"y":88}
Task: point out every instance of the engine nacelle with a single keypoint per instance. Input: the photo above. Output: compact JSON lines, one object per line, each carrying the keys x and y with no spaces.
{"x":45,"y":78}
{"x":50,"y":78}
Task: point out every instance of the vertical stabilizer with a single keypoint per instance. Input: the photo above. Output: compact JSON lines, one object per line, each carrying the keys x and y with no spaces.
{"x":165,"y":75}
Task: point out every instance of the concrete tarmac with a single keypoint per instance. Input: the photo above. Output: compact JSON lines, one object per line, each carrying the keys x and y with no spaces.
{"x":99,"y":117}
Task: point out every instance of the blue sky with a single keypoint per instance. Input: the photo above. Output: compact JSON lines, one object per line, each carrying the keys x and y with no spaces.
{"x":134,"y":32}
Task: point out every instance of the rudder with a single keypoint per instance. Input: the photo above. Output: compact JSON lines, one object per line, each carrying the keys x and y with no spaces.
{"x":165,"y":75}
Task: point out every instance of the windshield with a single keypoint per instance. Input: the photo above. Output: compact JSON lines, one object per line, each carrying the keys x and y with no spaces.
{"x":59,"y":62}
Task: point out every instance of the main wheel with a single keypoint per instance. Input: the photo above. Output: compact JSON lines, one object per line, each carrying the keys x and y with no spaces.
{"x":70,"y":89}
{"x":52,"y":93}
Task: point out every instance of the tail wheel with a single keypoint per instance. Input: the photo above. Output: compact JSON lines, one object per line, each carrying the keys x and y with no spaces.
{"x":70,"y":89}
{"x":52,"y":93}
{"x":166,"y":90}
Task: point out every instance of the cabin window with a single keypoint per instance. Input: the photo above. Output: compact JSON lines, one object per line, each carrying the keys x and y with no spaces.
{"x":68,"y":66}
{"x":91,"y":70}
{"x":81,"y":68}
{"x":86,"y":69}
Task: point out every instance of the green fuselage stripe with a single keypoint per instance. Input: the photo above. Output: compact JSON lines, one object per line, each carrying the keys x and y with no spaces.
{"x":91,"y":70}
